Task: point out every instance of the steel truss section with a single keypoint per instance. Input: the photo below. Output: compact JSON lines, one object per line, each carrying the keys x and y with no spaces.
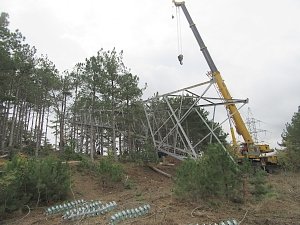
{"x":167,"y":113}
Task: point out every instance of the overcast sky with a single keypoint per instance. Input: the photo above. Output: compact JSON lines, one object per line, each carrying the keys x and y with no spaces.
{"x":255,"y":45}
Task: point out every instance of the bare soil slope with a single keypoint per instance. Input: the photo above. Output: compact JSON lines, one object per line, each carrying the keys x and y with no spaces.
{"x":148,"y":186}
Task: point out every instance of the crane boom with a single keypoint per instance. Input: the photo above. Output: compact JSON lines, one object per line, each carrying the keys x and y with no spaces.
{"x":236,"y":116}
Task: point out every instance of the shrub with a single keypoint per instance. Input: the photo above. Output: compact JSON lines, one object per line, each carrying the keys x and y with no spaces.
{"x":10,"y":198}
{"x":70,"y":154}
{"x":214,"y":174}
{"x":109,"y":170}
{"x":291,"y":142}
{"x":144,"y":155}
{"x":259,"y":185}
{"x":285,"y":161}
{"x":86,"y":164}
{"x":40,"y":180}
{"x":48,"y":179}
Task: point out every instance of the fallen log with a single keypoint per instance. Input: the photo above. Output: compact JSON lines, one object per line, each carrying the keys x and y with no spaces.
{"x":161,"y":172}
{"x":3,"y":156}
{"x":72,"y":162}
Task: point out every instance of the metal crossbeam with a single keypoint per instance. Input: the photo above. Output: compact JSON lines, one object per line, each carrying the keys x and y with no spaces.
{"x":166,"y":121}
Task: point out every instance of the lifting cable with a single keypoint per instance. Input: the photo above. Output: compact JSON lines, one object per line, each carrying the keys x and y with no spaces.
{"x":179,"y":38}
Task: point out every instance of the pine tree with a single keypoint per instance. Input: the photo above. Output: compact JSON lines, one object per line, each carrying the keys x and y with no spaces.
{"x":291,"y":140}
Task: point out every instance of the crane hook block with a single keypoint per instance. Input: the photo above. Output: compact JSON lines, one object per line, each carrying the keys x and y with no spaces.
{"x":180,"y":58}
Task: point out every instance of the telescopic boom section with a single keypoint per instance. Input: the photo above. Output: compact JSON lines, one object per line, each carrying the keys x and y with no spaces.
{"x":236,"y":116}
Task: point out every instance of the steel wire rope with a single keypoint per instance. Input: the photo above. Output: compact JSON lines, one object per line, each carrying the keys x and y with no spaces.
{"x":179,"y":38}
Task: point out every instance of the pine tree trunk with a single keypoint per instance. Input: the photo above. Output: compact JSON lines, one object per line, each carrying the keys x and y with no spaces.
{"x":38,"y":112}
{"x":32,"y":125}
{"x":101,"y":142}
{"x":113,"y":121}
{"x":12,"y":128}
{"x":56,"y":133}
{"x":120,"y":143}
{"x":26,"y":121}
{"x":38,"y":132}
{"x":86,"y":134}
{"x":5,"y":125}
{"x":114,"y":137}
{"x":47,"y":122}
{"x":41,"y":126}
{"x":81,"y":132}
{"x":22,"y":124}
{"x":62,"y":124}
{"x":92,"y":144}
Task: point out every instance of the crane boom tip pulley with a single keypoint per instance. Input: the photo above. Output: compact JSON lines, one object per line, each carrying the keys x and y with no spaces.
{"x":178,"y":3}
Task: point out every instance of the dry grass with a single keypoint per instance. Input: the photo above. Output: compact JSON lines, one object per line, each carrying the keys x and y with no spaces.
{"x":282,"y":206}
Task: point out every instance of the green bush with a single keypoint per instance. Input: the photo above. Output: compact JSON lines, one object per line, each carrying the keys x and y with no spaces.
{"x":286,"y":161}
{"x":290,"y":159}
{"x":259,"y":185}
{"x":256,"y":179}
{"x":214,"y":174}
{"x":109,"y":170}
{"x":70,"y":154}
{"x":144,"y":155}
{"x":86,"y":165}
{"x":10,"y":198}
{"x":39,"y":180}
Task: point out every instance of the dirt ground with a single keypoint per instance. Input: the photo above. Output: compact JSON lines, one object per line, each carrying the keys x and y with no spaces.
{"x":147,"y":186}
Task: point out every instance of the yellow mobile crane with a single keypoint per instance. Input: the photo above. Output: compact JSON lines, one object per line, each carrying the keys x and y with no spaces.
{"x":255,"y":152}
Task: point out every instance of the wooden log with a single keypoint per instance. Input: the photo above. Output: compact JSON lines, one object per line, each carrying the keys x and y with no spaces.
{"x":72,"y":162}
{"x":3,"y":156}
{"x":161,"y":172}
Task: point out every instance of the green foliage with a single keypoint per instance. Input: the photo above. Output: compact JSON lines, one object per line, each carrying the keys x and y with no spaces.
{"x":10,"y":199}
{"x":25,"y":83}
{"x":194,"y":120}
{"x":284,"y":160}
{"x":109,"y":170}
{"x":86,"y":164}
{"x":214,"y":174}
{"x":291,"y":140}
{"x":107,"y":75}
{"x":29,"y":149}
{"x":69,"y":153}
{"x":106,"y":169}
{"x":259,"y":186}
{"x":40,"y":180}
{"x":128,"y":183}
{"x":144,"y":155}
{"x":256,"y":179}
